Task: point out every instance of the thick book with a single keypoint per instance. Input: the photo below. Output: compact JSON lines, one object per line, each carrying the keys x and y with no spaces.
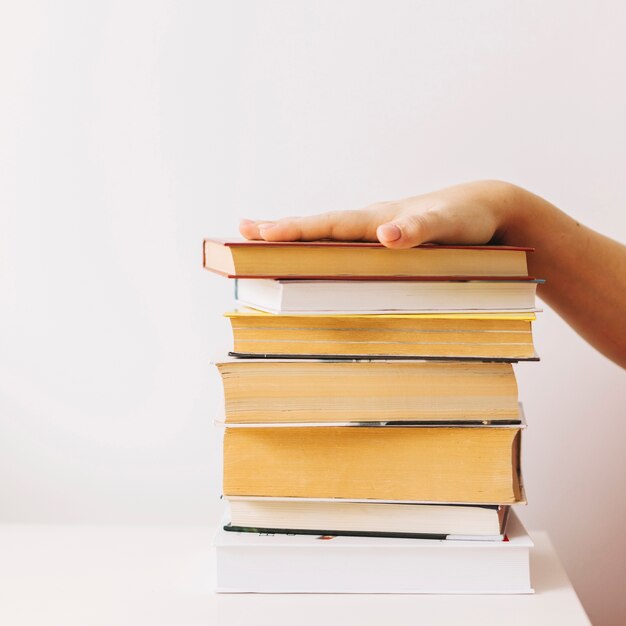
{"x":332,"y":259}
{"x":375,"y":297}
{"x":481,"y":336}
{"x":374,"y":518}
{"x":277,"y":563}
{"x":283,"y":391}
{"x":451,"y":464}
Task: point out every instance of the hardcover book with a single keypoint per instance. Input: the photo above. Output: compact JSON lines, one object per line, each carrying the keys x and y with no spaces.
{"x":331,"y":259}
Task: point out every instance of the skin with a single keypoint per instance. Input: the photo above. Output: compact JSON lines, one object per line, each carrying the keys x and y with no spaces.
{"x":585,"y":271}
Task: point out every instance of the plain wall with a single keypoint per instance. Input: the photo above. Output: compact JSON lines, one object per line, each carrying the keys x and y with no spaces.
{"x":131,"y":130}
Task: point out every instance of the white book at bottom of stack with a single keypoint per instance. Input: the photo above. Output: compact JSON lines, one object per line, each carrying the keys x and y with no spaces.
{"x":265,"y":563}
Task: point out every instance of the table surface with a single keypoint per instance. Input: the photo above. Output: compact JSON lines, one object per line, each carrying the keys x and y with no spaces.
{"x":119,"y":575}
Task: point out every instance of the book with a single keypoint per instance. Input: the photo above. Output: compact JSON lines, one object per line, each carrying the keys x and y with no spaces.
{"x":344,"y":296}
{"x":332,"y":259}
{"x":361,"y":518}
{"x":283,"y":391}
{"x":482,"y":336}
{"x":266,"y":563}
{"x":451,"y":464}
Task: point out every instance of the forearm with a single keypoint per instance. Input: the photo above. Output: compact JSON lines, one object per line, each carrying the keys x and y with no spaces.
{"x":585,"y":271}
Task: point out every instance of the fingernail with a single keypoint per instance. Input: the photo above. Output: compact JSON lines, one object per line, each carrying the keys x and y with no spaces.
{"x":266,"y":225}
{"x":245,"y":220}
{"x":389,"y":232}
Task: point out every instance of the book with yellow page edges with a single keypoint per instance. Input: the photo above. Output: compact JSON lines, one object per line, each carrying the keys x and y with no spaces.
{"x":480,"y":336}
{"x":238,"y":258}
{"x":282,"y":391}
{"x":452,"y":464}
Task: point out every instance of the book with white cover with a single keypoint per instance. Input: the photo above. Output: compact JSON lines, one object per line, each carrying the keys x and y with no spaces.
{"x":257,"y":563}
{"x":349,"y":296}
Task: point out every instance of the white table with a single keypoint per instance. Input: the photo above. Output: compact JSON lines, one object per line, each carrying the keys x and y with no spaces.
{"x":136,"y":576}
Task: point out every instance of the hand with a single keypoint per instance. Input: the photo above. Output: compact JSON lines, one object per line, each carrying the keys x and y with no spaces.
{"x":471,"y":213}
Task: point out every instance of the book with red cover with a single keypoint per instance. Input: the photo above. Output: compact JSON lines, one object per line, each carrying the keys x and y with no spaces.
{"x":240,"y":258}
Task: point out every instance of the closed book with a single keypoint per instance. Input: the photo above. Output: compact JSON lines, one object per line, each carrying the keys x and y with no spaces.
{"x":262,"y":563}
{"x":366,"y":518}
{"x":283,"y":391}
{"x":408,"y":296}
{"x":332,"y":259}
{"x":505,"y":336}
{"x":452,"y":464}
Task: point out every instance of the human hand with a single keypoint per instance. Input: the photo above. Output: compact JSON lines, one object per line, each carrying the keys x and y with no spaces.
{"x":471,"y":213}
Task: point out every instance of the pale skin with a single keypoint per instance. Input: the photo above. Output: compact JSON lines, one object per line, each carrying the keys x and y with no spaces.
{"x":585,"y":271}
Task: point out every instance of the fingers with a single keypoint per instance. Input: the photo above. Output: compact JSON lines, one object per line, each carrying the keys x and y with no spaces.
{"x":250,"y":229}
{"x":405,"y":230}
{"x":339,"y":225}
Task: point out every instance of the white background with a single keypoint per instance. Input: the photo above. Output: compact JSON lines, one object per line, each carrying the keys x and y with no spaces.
{"x":130,"y":130}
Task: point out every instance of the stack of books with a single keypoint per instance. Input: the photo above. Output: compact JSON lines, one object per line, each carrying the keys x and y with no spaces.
{"x":373,"y":431}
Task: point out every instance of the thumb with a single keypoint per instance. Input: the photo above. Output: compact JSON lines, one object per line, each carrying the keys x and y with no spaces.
{"x":412,"y":230}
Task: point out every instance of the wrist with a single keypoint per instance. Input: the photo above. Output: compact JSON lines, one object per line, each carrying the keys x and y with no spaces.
{"x":518,"y":212}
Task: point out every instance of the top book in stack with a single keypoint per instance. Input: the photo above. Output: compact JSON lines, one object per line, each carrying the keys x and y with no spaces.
{"x":359,"y":261}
